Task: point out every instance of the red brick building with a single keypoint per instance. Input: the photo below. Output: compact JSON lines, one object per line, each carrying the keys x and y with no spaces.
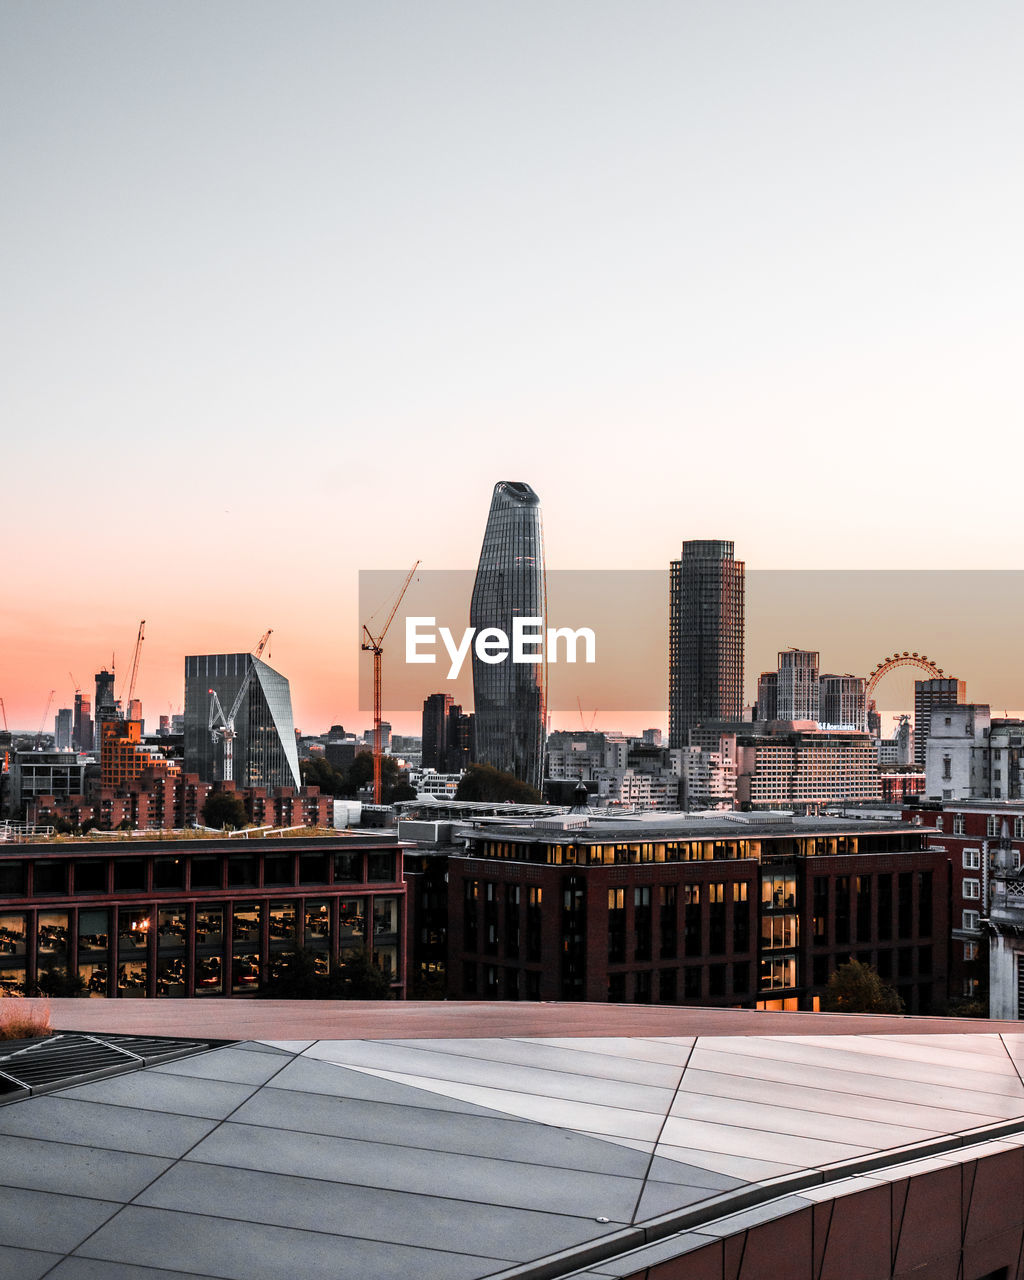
{"x":728,"y":912}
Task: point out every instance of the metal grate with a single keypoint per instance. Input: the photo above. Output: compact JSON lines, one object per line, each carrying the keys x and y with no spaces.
{"x":73,"y":1057}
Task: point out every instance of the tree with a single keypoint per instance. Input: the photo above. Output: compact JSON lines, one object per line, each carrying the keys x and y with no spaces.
{"x":484,"y":782}
{"x":318,"y":772}
{"x":394,"y":785}
{"x":857,"y":988}
{"x":225,"y":809}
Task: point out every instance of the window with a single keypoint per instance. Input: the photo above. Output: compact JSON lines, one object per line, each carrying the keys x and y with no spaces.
{"x":992,"y":824}
{"x":958,"y":824}
{"x":970,"y":951}
{"x":972,"y":859}
{"x":972,"y":888}
{"x":971,"y":919}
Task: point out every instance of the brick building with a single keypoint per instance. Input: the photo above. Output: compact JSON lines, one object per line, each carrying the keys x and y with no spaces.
{"x":695,"y":911}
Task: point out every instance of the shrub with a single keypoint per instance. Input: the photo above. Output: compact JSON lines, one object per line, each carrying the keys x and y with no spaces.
{"x":22,"y":1021}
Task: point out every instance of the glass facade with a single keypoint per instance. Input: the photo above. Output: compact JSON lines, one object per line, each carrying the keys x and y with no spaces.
{"x":510,"y":697}
{"x":264,"y":752}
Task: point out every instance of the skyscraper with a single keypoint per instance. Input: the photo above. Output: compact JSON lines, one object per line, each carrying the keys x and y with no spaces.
{"x":798,"y":685}
{"x":705,"y":649}
{"x":264,"y":752}
{"x":435,"y":731}
{"x":510,"y":697}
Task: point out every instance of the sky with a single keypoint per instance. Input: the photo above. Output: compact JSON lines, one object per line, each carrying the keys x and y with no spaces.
{"x":287,"y":288}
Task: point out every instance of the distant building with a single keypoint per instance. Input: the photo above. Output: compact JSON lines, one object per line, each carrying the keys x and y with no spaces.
{"x":929,"y":694}
{"x":435,"y":731}
{"x":105,"y":703}
{"x":767,"y":696}
{"x":124,"y":756}
{"x":510,"y":698}
{"x":804,"y":770}
{"x":798,"y":685}
{"x":63,"y":729}
{"x":842,"y":702}
{"x":652,"y":737}
{"x":264,"y":751}
{"x":706,"y":620}
{"x":81,"y":731}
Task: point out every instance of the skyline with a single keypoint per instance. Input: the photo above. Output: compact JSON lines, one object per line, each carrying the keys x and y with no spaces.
{"x":280,"y":285}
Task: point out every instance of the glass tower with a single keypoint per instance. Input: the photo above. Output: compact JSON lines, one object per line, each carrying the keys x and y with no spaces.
{"x":265,"y":754}
{"x":705,"y":647}
{"x":510,"y":698}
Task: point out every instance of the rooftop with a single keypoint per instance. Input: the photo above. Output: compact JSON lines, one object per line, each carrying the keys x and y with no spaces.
{"x":456,"y":1141}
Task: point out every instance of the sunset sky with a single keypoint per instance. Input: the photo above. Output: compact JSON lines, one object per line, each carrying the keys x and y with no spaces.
{"x":287,"y":288}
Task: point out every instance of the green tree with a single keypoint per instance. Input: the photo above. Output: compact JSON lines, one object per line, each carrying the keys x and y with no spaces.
{"x":484,"y":782}
{"x":857,"y":988}
{"x":225,"y":809}
{"x":394,"y":785}
{"x":318,"y":772}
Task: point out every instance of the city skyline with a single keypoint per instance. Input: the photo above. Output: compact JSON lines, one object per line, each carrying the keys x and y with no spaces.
{"x":271,"y":302}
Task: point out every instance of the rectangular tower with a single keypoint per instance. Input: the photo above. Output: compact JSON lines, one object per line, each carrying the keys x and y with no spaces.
{"x":706,"y":613}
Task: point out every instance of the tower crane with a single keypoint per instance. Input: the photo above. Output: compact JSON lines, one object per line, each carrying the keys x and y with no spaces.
{"x":3,"y":712}
{"x":221,"y":725}
{"x":263,"y":643}
{"x":42,"y":723}
{"x":375,"y":647}
{"x":135,"y":666}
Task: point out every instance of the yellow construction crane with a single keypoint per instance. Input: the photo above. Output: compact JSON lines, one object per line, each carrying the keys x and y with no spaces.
{"x":375,"y":647}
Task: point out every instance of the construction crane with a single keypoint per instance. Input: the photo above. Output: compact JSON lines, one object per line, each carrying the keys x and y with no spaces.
{"x":263,"y":643}
{"x":78,"y":687}
{"x":588,"y":728}
{"x":3,"y":712}
{"x":42,"y":723}
{"x":135,"y":667}
{"x":375,"y":647}
{"x":221,"y":725}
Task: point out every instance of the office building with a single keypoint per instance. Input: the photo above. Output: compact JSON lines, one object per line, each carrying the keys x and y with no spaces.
{"x":798,"y":685}
{"x":510,"y":697}
{"x":671,"y":909}
{"x":435,"y":731}
{"x":105,"y":702}
{"x":63,"y":729}
{"x":81,"y":730}
{"x":197,"y":917}
{"x":706,"y":613}
{"x":946,"y":691}
{"x":767,"y":696}
{"x":806,"y":770}
{"x":264,"y":752}
{"x":842,"y":702}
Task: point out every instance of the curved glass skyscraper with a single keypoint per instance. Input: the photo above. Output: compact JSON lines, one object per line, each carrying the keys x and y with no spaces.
{"x":510,"y":698}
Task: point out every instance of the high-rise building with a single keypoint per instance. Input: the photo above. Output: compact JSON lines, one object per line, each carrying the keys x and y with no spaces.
{"x":929,"y":694}
{"x":767,"y":696}
{"x":81,"y":730}
{"x":798,"y":685}
{"x":510,"y":697}
{"x":63,"y":729}
{"x":705,"y":637}
{"x":435,"y":731}
{"x":842,"y":702}
{"x":263,"y":750}
{"x":106,"y":703}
